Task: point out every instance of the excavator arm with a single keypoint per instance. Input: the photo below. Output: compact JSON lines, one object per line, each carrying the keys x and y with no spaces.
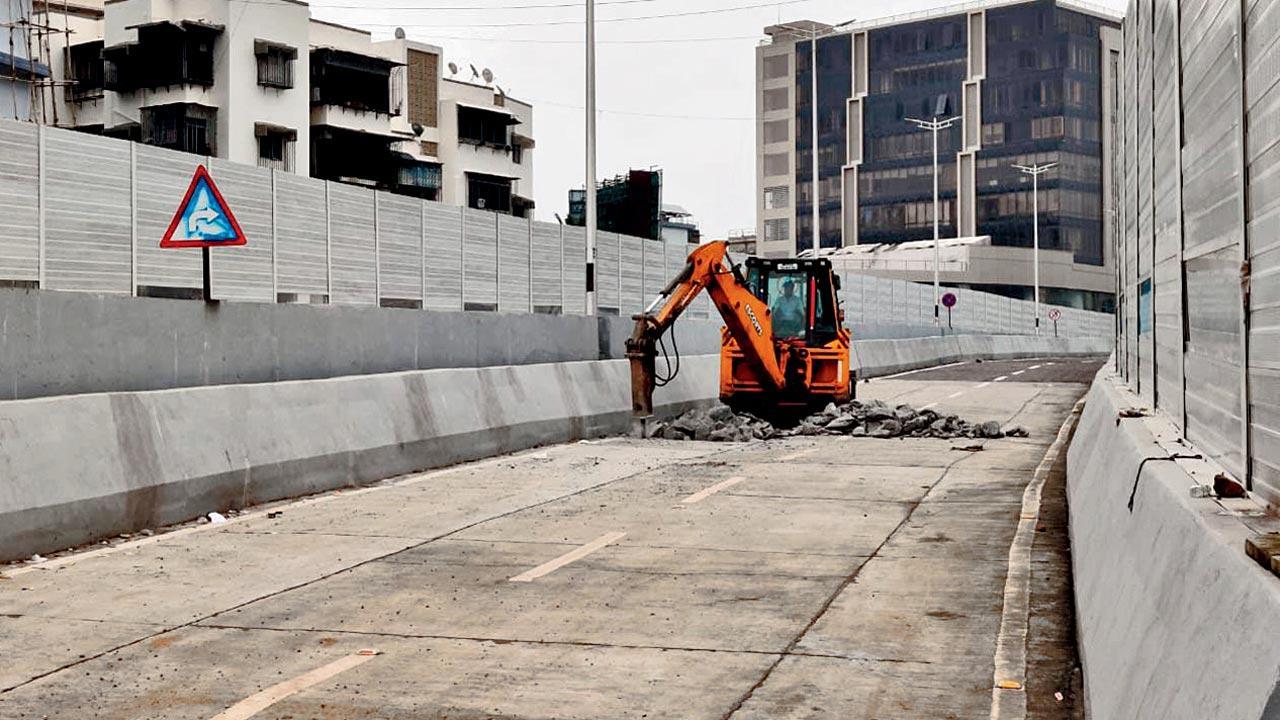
{"x":745,"y":316}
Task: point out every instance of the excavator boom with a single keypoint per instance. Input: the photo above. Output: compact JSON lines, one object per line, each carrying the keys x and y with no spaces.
{"x":802,"y":366}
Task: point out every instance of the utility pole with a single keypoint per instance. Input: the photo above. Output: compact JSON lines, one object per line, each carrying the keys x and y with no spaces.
{"x":1035,"y":171}
{"x":591,"y":158}
{"x":935,"y":125}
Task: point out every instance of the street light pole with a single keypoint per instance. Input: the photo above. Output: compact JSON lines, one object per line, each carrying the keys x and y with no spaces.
{"x":591,"y":159}
{"x":813,"y":114}
{"x":1035,"y":171}
{"x":935,"y":125}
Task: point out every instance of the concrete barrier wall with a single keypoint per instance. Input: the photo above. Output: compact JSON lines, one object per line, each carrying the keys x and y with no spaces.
{"x":54,"y":343}
{"x":1175,"y":621}
{"x":77,"y":468}
{"x":873,"y":358}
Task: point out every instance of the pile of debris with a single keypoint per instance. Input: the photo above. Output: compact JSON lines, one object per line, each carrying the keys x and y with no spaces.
{"x":874,"y":419}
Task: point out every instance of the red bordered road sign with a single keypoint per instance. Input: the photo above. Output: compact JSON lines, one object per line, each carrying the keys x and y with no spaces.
{"x":203,"y":219}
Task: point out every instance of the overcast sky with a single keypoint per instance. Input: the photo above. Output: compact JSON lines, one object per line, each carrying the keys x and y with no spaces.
{"x":685,"y":106}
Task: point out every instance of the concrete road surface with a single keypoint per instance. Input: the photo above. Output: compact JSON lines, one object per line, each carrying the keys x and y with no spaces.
{"x":799,"y":578}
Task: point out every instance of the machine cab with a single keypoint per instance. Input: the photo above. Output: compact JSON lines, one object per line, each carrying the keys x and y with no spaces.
{"x":801,"y":295}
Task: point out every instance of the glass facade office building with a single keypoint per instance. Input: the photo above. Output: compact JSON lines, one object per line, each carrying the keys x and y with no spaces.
{"x":1024,"y":79}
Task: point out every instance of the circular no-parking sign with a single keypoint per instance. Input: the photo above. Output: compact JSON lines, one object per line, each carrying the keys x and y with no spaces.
{"x":949,"y":299}
{"x":1054,"y":314}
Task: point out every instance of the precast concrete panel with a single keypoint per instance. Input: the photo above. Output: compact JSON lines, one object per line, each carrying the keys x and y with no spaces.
{"x":632,"y":269}
{"x":1213,"y":228}
{"x":19,"y":202}
{"x":160,"y":185}
{"x":442,"y":226}
{"x":302,"y":236}
{"x":1262,"y":88}
{"x":480,"y":259}
{"x":547,"y":262}
{"x":655,"y":270}
{"x":1143,"y":95}
{"x":607,"y":290}
{"x":400,"y":247}
{"x":351,"y":238}
{"x":1167,"y":212}
{"x":575,"y":269}
{"x":513,"y":264}
{"x":244,"y":272}
{"x":88,"y":214}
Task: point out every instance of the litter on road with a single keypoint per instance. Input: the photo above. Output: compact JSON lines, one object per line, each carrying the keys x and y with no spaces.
{"x":875,"y":419}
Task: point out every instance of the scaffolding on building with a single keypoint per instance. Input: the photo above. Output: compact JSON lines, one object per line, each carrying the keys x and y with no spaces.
{"x":37,"y":41}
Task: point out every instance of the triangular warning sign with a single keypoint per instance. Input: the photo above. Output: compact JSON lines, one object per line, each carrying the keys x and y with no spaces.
{"x":203,"y":219}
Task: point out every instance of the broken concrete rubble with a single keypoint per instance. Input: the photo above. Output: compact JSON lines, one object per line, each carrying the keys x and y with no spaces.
{"x":854,"y":419}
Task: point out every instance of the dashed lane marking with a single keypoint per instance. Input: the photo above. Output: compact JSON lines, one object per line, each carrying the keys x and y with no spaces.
{"x":1002,"y":378}
{"x":571,"y":556}
{"x":1015,"y":374}
{"x":260,"y":701}
{"x":707,"y":492}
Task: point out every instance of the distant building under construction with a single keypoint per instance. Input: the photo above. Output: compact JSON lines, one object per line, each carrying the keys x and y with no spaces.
{"x":631,"y":204}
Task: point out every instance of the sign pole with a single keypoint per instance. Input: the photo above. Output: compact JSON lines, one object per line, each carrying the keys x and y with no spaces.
{"x":208,"y":276}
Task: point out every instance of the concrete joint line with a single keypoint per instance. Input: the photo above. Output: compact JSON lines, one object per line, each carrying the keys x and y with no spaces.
{"x":260,"y":701}
{"x":705,"y":493}
{"x":790,"y":649}
{"x":1008,"y":688}
{"x":571,"y":556}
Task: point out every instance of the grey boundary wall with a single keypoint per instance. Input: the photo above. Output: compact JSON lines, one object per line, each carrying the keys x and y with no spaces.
{"x":77,"y":468}
{"x":1175,"y":622}
{"x":60,"y":343}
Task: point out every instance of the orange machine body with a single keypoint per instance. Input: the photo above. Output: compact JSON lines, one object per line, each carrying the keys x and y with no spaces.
{"x":784,"y":346}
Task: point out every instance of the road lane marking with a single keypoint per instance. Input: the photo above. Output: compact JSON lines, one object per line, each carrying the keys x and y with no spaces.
{"x":1001,"y":378}
{"x":1015,"y":374}
{"x":1008,"y":698}
{"x":955,"y":394}
{"x":705,"y":493}
{"x":979,"y":386}
{"x":260,"y":701}
{"x":1036,"y":367}
{"x":571,"y":556}
{"x":792,"y":455}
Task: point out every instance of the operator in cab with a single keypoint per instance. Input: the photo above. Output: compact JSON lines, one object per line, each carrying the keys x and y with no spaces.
{"x":787,"y":312}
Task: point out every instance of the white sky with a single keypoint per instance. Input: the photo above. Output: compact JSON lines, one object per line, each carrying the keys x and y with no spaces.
{"x":685,"y":107}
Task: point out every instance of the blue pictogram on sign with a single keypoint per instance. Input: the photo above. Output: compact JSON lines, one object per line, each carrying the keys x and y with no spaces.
{"x":203,"y":219}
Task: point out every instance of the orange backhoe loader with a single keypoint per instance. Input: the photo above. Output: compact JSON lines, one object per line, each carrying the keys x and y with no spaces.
{"x":784,"y":347}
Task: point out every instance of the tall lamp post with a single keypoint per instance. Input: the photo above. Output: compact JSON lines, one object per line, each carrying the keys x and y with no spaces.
{"x":935,"y":125}
{"x":1035,"y":171}
{"x":591,"y":159}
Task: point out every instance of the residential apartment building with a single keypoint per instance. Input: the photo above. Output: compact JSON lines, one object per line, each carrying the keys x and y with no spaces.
{"x":261,"y":82}
{"x":1022,"y":77}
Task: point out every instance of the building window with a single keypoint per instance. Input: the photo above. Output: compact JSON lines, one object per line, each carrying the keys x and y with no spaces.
{"x":776,"y":131}
{"x":275,"y":64}
{"x":777,"y":99}
{"x":777,"y":230}
{"x":166,"y":54}
{"x":351,"y":80}
{"x":777,"y":66}
{"x":993,"y":134}
{"x":430,"y":149}
{"x":777,"y":164}
{"x":275,"y":146}
{"x":483,"y":127}
{"x":85,"y":70}
{"x":180,"y":126}
{"x":1046,"y":127}
{"x":777,"y":198}
{"x":489,"y":192}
